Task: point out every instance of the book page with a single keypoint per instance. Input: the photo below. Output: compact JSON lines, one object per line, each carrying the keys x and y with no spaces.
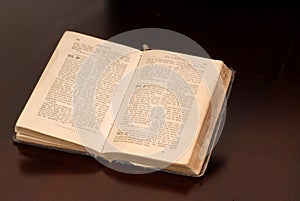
{"x":164,"y":107}
{"x":73,"y":98}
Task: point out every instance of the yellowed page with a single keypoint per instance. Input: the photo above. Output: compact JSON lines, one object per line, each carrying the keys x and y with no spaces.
{"x":164,"y":107}
{"x":60,"y":103}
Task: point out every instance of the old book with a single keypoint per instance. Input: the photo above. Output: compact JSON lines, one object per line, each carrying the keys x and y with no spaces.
{"x":155,"y":109}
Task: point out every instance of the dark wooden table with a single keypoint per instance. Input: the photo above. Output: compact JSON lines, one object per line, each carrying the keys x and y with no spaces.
{"x":258,"y":154}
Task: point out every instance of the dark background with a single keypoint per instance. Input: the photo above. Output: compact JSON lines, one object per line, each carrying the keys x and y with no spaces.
{"x":258,"y":154}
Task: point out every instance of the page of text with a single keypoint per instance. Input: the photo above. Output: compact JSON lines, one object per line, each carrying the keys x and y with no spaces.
{"x":74,"y":98}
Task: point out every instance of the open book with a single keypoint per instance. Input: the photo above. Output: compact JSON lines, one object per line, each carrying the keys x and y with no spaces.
{"x":156,"y":109}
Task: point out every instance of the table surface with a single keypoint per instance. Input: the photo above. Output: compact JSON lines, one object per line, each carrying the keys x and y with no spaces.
{"x":258,"y":154}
